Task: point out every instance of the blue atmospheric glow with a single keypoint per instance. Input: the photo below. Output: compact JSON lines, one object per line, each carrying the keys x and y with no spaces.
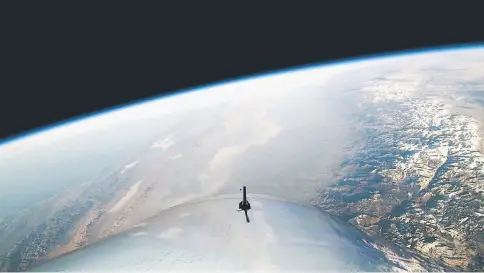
{"x":248,"y":77}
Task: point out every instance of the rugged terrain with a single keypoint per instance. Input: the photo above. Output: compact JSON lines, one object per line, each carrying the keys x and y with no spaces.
{"x":416,"y":176}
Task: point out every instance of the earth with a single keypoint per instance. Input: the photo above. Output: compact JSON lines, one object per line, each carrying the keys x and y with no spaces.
{"x":391,"y":144}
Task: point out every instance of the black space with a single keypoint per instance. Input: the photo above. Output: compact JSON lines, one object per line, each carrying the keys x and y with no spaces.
{"x":59,"y":60}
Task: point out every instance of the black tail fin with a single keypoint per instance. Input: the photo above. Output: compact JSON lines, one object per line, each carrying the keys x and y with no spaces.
{"x":244,"y":194}
{"x":244,"y":204}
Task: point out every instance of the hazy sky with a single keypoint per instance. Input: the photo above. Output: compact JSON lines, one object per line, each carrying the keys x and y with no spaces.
{"x":46,"y":163}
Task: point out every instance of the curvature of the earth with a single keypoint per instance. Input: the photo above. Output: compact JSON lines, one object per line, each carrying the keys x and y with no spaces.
{"x":391,"y":145}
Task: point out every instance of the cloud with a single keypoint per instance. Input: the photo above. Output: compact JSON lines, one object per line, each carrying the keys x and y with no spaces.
{"x":164,"y":144}
{"x":128,"y":166}
{"x":139,"y":233}
{"x":175,"y":157}
{"x":171,"y":234}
